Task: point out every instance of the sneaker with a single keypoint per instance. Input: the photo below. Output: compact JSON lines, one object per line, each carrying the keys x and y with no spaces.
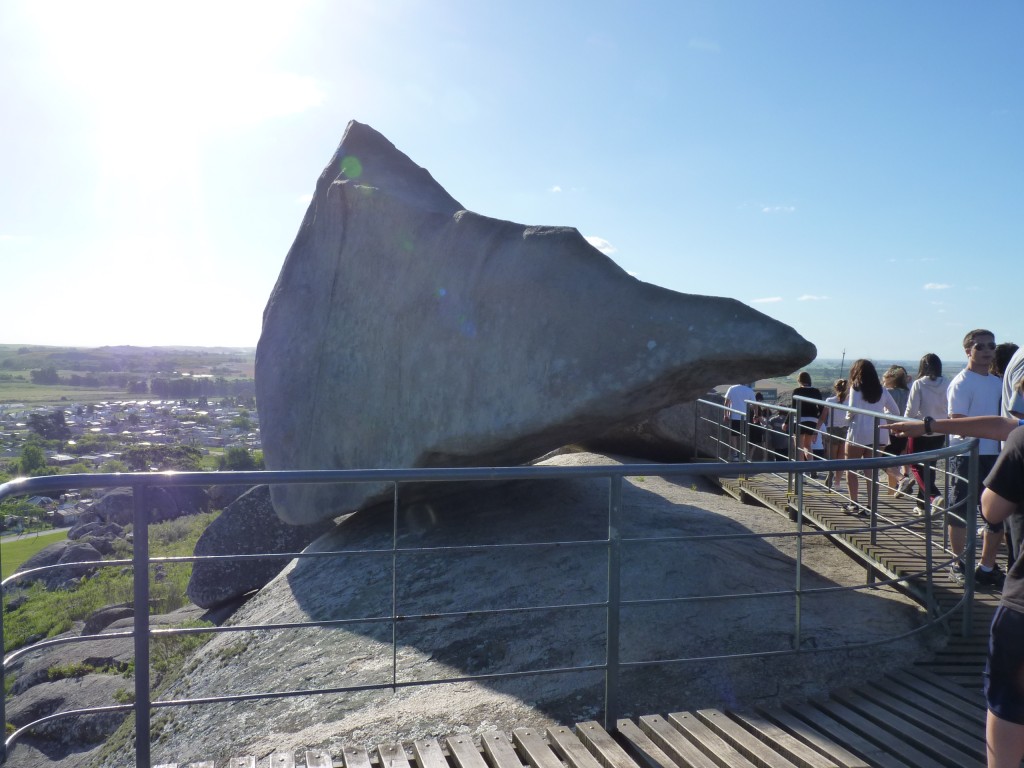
{"x":956,"y":572}
{"x":938,"y":504}
{"x":919,"y":510}
{"x":905,"y":485}
{"x":993,"y":578}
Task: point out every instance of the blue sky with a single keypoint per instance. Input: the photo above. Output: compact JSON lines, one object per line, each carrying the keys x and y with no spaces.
{"x":855,"y":170}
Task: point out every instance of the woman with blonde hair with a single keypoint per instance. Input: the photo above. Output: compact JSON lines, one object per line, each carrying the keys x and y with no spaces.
{"x":895,"y":382}
{"x":866,"y":393}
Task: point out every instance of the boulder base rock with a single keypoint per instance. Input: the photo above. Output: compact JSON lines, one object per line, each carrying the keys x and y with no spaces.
{"x":247,"y":526}
{"x":406,"y":331}
{"x":348,"y":585}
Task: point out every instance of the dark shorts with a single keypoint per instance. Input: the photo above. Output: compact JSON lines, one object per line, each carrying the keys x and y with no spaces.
{"x":897,"y":446}
{"x":1004,"y":669}
{"x":808,"y":427}
{"x":958,"y":506}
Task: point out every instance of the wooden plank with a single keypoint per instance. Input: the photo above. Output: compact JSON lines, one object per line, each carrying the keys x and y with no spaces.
{"x":500,"y":750}
{"x":392,"y":756}
{"x":940,"y":698}
{"x":945,"y":723}
{"x":246,"y":761}
{"x":711,"y":743}
{"x":642,"y":748}
{"x":464,"y":752}
{"x":748,"y":744}
{"x":678,"y":747}
{"x":532,"y":746}
{"x":892,"y":744}
{"x":281,"y":760}
{"x":934,"y":742}
{"x":355,"y":757}
{"x":971,"y":695}
{"x":796,"y":750}
{"x":318,"y":758}
{"x":570,"y":748}
{"x":836,"y":741}
{"x":428,"y":754}
{"x":601,"y":744}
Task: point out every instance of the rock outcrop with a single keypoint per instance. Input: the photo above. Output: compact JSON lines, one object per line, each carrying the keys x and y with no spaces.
{"x":248,"y":526}
{"x":405,"y":331}
{"x":435,"y":583}
{"x":117,"y":506}
{"x":73,"y":555}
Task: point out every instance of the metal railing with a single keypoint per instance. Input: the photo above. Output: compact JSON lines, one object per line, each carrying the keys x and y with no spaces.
{"x":781,"y":423}
{"x":612,"y":604}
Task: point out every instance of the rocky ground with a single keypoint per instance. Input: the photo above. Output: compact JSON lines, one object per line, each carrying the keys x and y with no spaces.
{"x":540,"y":511}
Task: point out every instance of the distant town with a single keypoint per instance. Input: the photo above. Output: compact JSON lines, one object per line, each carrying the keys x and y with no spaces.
{"x":64,"y":411}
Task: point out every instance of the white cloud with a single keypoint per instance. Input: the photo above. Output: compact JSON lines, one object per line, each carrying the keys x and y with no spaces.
{"x":703,"y":44}
{"x":811,"y":297}
{"x":555,"y":188}
{"x":601,"y":244}
{"x":767,"y":300}
{"x":936,"y":286}
{"x":778,"y":209}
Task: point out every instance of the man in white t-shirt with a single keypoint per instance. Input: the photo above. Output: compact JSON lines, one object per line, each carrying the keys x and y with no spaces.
{"x":974,"y":392}
{"x":735,"y":398}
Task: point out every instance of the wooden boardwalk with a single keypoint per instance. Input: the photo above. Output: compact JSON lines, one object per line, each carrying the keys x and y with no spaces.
{"x":929,"y":715}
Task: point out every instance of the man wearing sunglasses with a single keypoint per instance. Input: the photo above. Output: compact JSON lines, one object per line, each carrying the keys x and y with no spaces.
{"x":974,"y":392}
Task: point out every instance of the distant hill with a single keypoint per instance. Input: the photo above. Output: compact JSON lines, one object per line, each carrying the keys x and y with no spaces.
{"x":218,"y":361}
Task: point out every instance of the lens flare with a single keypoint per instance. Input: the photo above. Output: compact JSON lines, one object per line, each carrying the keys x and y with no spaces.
{"x":351,"y":167}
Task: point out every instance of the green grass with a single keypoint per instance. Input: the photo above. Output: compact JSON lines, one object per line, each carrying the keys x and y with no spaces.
{"x":48,"y":613}
{"x":14,"y":553}
{"x":44,"y":394}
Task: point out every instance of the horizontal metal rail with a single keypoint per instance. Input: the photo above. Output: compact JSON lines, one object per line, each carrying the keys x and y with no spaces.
{"x":617,"y":548}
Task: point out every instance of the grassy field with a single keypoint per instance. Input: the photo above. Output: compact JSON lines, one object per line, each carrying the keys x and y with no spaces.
{"x":14,"y":553}
{"x":41,"y":394}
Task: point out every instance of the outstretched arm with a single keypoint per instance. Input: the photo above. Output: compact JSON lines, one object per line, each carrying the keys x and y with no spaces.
{"x":991,"y":427}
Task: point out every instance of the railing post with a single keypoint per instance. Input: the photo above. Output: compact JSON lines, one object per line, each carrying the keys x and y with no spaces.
{"x":3,"y":677}
{"x":799,"y":558}
{"x":140,"y":576}
{"x":971,"y":519}
{"x":394,"y":589}
{"x":611,"y":673}
{"x":873,"y":489}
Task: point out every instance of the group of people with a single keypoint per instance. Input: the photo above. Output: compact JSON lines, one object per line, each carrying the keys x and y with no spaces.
{"x":1001,"y":500}
{"x":985,"y":400}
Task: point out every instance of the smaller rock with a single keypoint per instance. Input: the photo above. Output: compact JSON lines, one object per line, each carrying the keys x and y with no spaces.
{"x":92,"y":690}
{"x":249,"y":525}
{"x":104,"y":617}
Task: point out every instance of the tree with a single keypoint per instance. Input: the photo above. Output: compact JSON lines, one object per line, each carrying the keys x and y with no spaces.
{"x":239,"y":458}
{"x":47,"y":375}
{"x":33,"y":460}
{"x":242,"y":421}
{"x":49,"y":426}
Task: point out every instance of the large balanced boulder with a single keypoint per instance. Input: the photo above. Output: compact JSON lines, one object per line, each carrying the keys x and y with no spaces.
{"x":406,"y":331}
{"x":248,"y":526}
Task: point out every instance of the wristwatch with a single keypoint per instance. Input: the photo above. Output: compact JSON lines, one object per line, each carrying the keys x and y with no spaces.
{"x":928,"y":422}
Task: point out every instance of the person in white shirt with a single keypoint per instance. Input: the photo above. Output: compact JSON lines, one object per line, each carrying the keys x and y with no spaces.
{"x":927,"y":399}
{"x":974,"y":392}
{"x":736,"y":398}
{"x":866,"y":394}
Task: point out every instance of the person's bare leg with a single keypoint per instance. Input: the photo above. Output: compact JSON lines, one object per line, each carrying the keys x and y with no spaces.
{"x":957,"y":540}
{"x":990,"y":548}
{"x":1004,"y":742}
